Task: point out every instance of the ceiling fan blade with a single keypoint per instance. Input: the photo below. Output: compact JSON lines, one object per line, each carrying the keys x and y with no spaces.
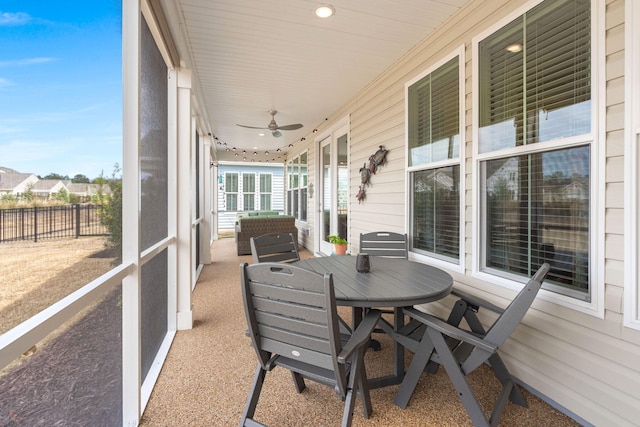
{"x":290,"y":127}
{"x":276,"y":133}
{"x":251,"y":127}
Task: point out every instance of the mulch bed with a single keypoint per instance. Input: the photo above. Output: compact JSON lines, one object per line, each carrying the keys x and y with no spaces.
{"x":75,"y":379}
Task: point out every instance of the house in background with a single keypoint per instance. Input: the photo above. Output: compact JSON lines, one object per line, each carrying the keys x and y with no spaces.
{"x":16,"y":183}
{"x":243,"y":187}
{"x":86,"y":191}
{"x":47,"y":188}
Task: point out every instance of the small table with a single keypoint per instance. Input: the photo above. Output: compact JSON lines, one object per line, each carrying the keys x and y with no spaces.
{"x":391,"y":282}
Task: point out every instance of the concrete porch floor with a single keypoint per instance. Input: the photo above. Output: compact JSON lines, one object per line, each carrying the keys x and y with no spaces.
{"x":208,"y":373}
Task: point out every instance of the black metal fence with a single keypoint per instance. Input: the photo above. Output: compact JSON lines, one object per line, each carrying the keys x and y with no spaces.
{"x":50,"y":222}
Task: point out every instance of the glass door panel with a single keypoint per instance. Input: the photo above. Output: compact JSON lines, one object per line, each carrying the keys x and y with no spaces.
{"x":325,"y":197}
{"x":334,"y":188}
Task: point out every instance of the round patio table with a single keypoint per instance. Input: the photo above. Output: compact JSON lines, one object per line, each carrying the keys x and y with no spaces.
{"x":390,"y":282}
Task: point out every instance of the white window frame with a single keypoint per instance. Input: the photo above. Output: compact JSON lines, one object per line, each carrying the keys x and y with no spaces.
{"x":242,"y":191}
{"x":261,"y":193}
{"x":227,"y":192}
{"x":301,"y":186}
{"x":597,"y":139}
{"x":632,"y":167}
{"x":459,"y":266}
{"x":294,"y":164}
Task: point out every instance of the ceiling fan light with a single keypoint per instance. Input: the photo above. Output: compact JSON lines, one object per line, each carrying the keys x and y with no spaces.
{"x":324,"y":11}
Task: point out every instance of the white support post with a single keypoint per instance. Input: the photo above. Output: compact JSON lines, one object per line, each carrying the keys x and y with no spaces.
{"x":184,"y":202}
{"x":172,"y":198}
{"x":131,"y":288}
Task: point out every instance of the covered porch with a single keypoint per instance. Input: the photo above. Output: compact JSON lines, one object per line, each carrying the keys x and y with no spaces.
{"x":208,"y":372}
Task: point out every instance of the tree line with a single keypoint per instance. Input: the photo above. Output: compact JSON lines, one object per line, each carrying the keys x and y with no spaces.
{"x":77,"y":179}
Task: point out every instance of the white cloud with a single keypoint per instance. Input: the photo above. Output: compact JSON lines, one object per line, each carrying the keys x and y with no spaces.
{"x":27,"y":61}
{"x":18,"y":18}
{"x":5,"y":82}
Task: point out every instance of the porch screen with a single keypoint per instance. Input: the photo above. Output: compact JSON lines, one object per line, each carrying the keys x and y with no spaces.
{"x":154,"y":197}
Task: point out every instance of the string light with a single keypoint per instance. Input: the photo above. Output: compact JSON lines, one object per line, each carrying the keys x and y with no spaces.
{"x":266,"y":153}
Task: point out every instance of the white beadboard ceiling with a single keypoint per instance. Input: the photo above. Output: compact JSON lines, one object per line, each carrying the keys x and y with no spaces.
{"x":252,"y":56}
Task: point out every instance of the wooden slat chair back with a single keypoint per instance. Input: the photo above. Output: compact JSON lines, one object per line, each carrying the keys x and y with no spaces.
{"x":274,"y":247}
{"x":293,"y":323}
{"x":389,"y":245}
{"x":461,"y":351}
{"x":384,"y":243}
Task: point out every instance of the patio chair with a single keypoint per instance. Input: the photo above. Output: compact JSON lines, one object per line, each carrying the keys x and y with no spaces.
{"x":274,"y":247}
{"x":293,"y":323}
{"x":461,"y":351}
{"x":384,"y":243}
{"x":389,"y":245}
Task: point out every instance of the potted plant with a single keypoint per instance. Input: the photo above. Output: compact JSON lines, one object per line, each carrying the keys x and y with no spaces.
{"x":339,"y":244}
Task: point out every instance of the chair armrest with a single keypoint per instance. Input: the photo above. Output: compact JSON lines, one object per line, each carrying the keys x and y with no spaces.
{"x":450,"y":330}
{"x":361,"y":336}
{"x":477,"y":301}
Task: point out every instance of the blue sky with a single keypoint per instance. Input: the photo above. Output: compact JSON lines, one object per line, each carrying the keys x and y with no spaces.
{"x":61,"y":86}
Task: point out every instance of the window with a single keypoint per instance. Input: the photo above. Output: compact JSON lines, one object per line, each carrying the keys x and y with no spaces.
{"x":297,"y":174}
{"x":534,"y":86}
{"x":433,"y":131}
{"x":265,"y":191}
{"x":231,"y":191}
{"x":304,"y":172}
{"x":248,"y":191}
{"x":289,"y":190}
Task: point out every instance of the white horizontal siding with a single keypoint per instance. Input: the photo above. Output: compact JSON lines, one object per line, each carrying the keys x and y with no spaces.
{"x":227,"y":219}
{"x":586,"y":364}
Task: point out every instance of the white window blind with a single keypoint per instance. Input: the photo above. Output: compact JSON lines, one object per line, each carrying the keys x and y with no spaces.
{"x":433,"y":126}
{"x":231,"y":190}
{"x":536,"y":77}
{"x":265,"y":192}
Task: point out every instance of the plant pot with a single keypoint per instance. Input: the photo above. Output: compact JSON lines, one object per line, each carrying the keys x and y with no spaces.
{"x":340,"y":249}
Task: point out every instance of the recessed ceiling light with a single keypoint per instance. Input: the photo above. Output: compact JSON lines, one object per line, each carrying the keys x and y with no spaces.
{"x":324,"y":11}
{"x":261,"y":134}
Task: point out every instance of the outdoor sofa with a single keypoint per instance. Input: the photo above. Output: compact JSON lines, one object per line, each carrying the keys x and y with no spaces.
{"x":256,"y":224}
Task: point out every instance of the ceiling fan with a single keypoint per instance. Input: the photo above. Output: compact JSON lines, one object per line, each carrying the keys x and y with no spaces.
{"x":273,"y":126}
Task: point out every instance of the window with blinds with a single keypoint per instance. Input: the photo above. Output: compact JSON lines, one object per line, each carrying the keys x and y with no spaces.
{"x":304,"y":177}
{"x":436,"y":211}
{"x":537,"y":210}
{"x":434,"y":122}
{"x":231,"y":191}
{"x":265,"y":192}
{"x":297,"y":194}
{"x":535,"y":86}
{"x":535,"y":77}
{"x":433,"y":132}
{"x":248,"y":191}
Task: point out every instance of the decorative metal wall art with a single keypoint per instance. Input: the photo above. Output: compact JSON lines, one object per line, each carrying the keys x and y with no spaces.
{"x":376,"y":160}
